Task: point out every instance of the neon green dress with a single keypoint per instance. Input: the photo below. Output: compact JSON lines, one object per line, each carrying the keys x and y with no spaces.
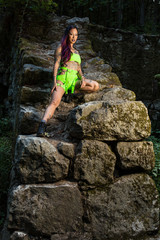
{"x":68,"y":76}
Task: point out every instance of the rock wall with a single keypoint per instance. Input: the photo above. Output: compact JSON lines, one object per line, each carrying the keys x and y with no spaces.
{"x":134,"y":57}
{"x":88,"y":179}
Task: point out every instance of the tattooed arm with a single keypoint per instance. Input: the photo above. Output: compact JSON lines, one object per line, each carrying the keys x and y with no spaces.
{"x":57,"y":59}
{"x":83,"y":84}
{"x":80,"y":72}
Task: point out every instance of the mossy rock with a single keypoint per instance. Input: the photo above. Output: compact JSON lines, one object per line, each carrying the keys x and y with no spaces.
{"x":126,"y":120}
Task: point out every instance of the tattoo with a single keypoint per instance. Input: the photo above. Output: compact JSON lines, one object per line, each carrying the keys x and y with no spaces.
{"x":57,"y":57}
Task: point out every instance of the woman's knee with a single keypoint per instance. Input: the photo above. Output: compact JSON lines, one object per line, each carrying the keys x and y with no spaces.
{"x":96,"y":86}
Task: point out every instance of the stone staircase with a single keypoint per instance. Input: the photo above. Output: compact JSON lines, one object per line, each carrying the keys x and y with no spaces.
{"x":88,"y":180}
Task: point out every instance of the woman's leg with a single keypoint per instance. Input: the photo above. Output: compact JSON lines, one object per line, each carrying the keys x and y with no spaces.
{"x":55,"y":101}
{"x":90,"y":86}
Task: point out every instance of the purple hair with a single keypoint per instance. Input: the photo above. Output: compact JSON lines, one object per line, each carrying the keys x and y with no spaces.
{"x":66,"y":47}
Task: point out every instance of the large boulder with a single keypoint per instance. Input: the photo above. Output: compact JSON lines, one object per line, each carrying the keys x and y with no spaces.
{"x":94,"y":163}
{"x":114,"y":94}
{"x":128,"y":121}
{"x":45,"y":209}
{"x":37,"y":160}
{"x":136,"y":155}
{"x":127,"y":209}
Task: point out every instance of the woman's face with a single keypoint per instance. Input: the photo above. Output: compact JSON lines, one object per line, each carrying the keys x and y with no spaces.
{"x":73,"y":35}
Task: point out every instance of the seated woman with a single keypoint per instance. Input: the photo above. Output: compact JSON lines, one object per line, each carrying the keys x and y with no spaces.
{"x":67,"y":75}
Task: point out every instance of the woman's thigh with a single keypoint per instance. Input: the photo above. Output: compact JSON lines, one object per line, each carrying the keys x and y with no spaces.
{"x":57,"y":94}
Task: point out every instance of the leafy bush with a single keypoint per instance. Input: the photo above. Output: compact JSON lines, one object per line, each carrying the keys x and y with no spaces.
{"x":6,"y":140}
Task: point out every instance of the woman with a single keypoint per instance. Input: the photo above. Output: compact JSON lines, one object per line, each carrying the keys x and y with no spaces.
{"x":67,"y":75}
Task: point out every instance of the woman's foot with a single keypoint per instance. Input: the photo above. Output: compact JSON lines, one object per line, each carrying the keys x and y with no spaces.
{"x":41,"y":129}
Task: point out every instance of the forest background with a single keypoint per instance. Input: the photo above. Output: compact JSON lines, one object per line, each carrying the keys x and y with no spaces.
{"x":139,"y":16}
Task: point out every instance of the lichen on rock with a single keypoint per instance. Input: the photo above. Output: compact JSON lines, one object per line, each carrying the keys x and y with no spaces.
{"x":128,"y":121}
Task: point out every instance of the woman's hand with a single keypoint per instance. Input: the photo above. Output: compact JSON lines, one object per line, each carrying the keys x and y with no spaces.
{"x":83,"y":82}
{"x":54,"y":87}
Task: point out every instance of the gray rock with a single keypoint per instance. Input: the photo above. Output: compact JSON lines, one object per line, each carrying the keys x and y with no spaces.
{"x":72,"y":236}
{"x":118,"y":94}
{"x":29,"y":119}
{"x":100,"y":120}
{"x":94,"y":163}
{"x":96,"y":61}
{"x":115,"y":94}
{"x":77,"y":20}
{"x":19,"y":236}
{"x":35,"y":75}
{"x":106,"y":79}
{"x":34,"y":95}
{"x":67,"y":149}
{"x":37,"y":160}
{"x":127,"y":209}
{"x":46,"y":208}
{"x":136,"y":155}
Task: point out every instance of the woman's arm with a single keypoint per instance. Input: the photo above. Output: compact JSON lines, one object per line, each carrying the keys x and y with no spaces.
{"x":80,"y":72}
{"x":83,"y":84}
{"x":57,"y":59}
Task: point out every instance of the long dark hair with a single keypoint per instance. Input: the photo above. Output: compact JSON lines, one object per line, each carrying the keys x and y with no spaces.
{"x":66,"y":47}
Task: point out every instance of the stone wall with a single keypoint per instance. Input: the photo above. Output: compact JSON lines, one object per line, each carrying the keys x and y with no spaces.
{"x":134,"y":57}
{"x":88,"y":179}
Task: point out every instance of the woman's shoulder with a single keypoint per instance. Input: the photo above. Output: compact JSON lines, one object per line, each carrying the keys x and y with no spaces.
{"x":76,"y":51}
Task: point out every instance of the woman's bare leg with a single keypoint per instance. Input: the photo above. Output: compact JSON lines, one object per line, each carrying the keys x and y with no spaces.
{"x":90,"y":86}
{"x":55,"y":101}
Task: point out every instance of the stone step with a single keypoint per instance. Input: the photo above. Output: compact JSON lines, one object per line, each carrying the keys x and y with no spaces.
{"x":46,"y":62}
{"x":36,"y":53}
{"x":36,"y":75}
{"x":98,"y":64}
{"x":34,"y":95}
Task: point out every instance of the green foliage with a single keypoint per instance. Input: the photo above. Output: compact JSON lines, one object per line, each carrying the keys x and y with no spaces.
{"x":6,"y":140}
{"x":157,"y":76}
{"x":42,"y":6}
